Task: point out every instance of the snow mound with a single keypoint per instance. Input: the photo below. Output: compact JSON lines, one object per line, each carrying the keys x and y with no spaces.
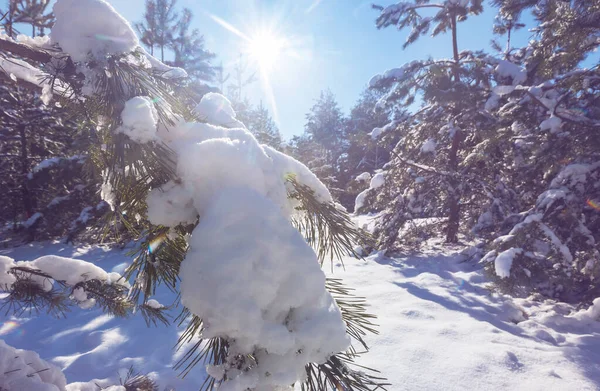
{"x":139,"y":119}
{"x":25,"y":370}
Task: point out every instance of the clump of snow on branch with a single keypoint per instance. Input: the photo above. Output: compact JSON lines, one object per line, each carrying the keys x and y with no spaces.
{"x":260,"y":303}
{"x":139,"y":119}
{"x":153,"y":303}
{"x":365,"y":176}
{"x":170,"y":205}
{"x":245,"y":243}
{"x":552,"y":124}
{"x":68,"y":270}
{"x":429,"y":146}
{"x":98,"y":32}
{"x":377,"y":181}
{"x":510,"y":70}
{"x":504,"y":261}
{"x":216,"y":109}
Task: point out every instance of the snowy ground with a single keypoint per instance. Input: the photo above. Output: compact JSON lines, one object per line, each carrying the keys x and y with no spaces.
{"x":441,"y":328}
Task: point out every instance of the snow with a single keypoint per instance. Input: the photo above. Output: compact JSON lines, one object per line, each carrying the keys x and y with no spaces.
{"x":377,"y":181}
{"x":152,"y":303}
{"x":166,"y":71}
{"x":22,"y":370}
{"x":170,"y":205}
{"x":508,"y":69}
{"x":360,"y":200}
{"x":33,"y":219}
{"x":377,"y":132}
{"x":429,"y":146}
{"x":19,"y":69}
{"x":139,"y":118}
{"x":216,"y":109}
{"x":365,"y":176}
{"x":245,"y":243}
{"x":440,"y":328}
{"x":6,"y":279}
{"x":71,"y":271}
{"x":54,"y":161}
{"x":98,"y":31}
{"x":267,"y":280}
{"x":553,"y":124}
{"x":504,"y":261}
{"x":574,"y":175}
{"x":398,"y":74}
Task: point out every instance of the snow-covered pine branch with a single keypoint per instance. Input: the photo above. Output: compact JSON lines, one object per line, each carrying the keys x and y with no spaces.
{"x":216,"y":209}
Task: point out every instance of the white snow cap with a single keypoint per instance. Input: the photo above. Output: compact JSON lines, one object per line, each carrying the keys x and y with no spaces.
{"x":97,"y":30}
{"x":553,"y":124}
{"x":246,"y":244}
{"x":504,"y":261}
{"x":378,"y":180}
{"x":508,"y":69}
{"x":216,"y":109}
{"x":429,"y":146}
{"x":365,"y":176}
{"x":139,"y":119}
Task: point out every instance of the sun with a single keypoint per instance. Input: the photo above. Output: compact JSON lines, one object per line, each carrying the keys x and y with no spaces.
{"x":266,"y":49}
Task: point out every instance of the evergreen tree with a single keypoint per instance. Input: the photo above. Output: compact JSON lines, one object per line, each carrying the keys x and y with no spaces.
{"x":148,"y":28}
{"x":551,"y":117}
{"x":325,"y":127}
{"x":428,"y":174}
{"x":189,"y":51}
{"x":160,"y":21}
{"x":33,"y":12}
{"x":361,"y":153}
{"x":263,"y":127}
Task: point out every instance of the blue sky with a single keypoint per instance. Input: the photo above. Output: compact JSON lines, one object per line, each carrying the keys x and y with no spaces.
{"x":336,"y":43}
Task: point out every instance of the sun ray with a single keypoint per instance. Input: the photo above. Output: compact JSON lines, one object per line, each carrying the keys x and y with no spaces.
{"x":229,"y":27}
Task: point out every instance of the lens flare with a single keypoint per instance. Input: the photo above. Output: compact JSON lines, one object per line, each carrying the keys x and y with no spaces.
{"x":156,"y":242}
{"x":593,"y":204}
{"x":10,"y":327}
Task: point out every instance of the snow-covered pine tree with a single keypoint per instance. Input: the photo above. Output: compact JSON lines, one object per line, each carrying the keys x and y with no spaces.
{"x":262,"y":126}
{"x":361,"y":154}
{"x":217,"y":212}
{"x":324,"y":129}
{"x":189,"y":52}
{"x":551,"y":112}
{"x":47,"y":192}
{"x":430,"y":174}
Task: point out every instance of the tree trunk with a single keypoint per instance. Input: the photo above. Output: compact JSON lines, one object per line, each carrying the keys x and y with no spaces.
{"x":27,"y":200}
{"x":454,"y":192}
